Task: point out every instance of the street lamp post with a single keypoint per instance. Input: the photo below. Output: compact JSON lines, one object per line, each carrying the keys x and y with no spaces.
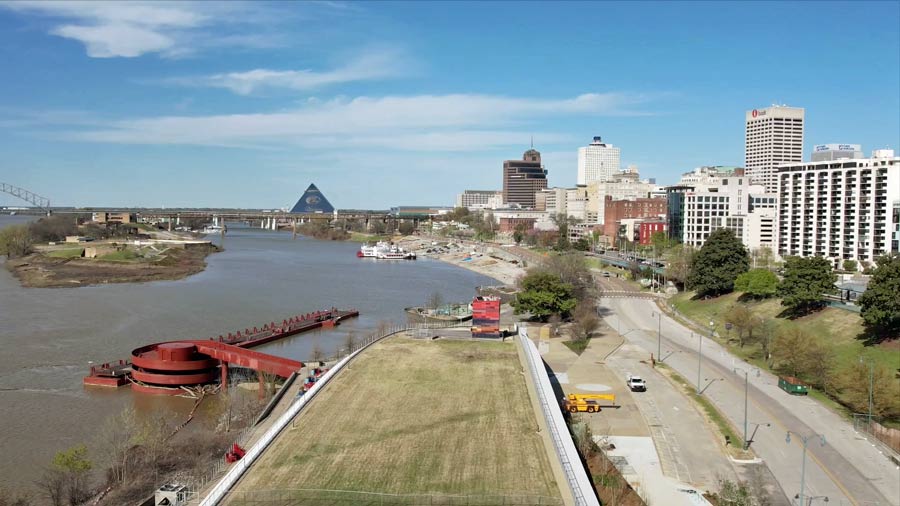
{"x":756,"y":427}
{"x":700,"y":352}
{"x":658,"y":334}
{"x":746,"y":389}
{"x":805,"y":440}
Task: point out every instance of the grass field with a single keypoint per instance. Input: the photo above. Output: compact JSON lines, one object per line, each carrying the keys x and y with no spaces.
{"x":125,"y":255}
{"x":414,"y":417}
{"x":66,"y":253}
{"x":360,"y":237}
{"x":837,"y":327}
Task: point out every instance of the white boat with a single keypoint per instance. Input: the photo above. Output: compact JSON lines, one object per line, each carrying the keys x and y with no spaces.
{"x":212,"y":229}
{"x":366,"y":251}
{"x":385,"y":251}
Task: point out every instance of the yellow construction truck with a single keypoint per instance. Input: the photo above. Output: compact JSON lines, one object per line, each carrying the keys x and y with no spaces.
{"x":590,"y":403}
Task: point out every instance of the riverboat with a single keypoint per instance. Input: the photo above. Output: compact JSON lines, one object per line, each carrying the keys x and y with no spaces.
{"x":385,"y":251}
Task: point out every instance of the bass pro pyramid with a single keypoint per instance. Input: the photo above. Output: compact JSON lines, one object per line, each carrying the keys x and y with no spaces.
{"x":312,"y":201}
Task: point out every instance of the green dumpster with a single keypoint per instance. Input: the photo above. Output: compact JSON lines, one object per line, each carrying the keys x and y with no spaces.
{"x":792,"y":385}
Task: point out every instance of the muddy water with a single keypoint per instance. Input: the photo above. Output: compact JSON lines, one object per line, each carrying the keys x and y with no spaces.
{"x":48,"y":336}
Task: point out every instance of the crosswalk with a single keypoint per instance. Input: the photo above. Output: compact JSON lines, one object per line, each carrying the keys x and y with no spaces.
{"x":628,"y":294}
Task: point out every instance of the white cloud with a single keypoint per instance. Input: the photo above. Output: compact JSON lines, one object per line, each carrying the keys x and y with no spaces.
{"x":134,"y":28}
{"x":421,"y":122}
{"x":107,"y":41}
{"x":369,"y":65}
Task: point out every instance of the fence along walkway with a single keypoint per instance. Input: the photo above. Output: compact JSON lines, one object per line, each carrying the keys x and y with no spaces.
{"x":576,"y":475}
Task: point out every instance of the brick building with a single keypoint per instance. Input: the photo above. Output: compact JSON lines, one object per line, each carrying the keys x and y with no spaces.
{"x":617,"y":210}
{"x":646,"y":229}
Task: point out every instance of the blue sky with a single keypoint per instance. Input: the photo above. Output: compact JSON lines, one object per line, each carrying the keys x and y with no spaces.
{"x":382,"y":104}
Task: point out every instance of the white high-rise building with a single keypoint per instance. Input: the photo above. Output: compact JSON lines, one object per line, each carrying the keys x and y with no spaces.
{"x":597,"y":162}
{"x":842,"y":209}
{"x":774,"y":136}
{"x":480,"y":199}
{"x":732,"y":203}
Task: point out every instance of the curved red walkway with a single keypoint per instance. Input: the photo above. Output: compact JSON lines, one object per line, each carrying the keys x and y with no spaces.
{"x":163,"y":367}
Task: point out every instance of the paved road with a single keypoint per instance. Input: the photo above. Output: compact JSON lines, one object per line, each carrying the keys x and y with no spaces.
{"x":688,"y":451}
{"x":848,"y":469}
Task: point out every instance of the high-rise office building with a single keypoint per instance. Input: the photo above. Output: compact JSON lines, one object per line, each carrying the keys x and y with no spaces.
{"x":597,"y":162}
{"x":841,"y":209}
{"x":774,"y":136}
{"x":523,"y":178}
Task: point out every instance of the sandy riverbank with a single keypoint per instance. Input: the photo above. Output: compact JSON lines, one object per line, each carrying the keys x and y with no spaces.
{"x":485,"y":261}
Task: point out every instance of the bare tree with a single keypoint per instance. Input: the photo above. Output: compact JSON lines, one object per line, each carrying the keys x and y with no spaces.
{"x":435,"y":300}
{"x":350,"y":342}
{"x":52,"y":485}
{"x":316,"y":354}
{"x":16,"y":241}
{"x":118,"y":435}
{"x":586,"y":321}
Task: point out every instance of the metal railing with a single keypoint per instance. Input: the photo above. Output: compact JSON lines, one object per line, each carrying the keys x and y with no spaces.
{"x":887,"y":440}
{"x":320,"y":497}
{"x":576,"y":476}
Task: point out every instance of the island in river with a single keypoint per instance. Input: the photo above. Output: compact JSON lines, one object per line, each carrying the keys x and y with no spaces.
{"x":71,"y":266}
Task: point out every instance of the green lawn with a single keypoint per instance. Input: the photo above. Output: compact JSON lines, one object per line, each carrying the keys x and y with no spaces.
{"x":125,"y":255}
{"x":412,"y":417}
{"x":837,"y":328}
{"x":359,"y":237}
{"x":66,"y":253}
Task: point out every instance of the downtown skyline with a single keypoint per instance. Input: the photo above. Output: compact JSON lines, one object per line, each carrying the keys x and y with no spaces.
{"x":383,"y":104}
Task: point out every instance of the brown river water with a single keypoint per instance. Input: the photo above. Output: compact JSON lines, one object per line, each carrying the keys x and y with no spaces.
{"x":49,"y":335}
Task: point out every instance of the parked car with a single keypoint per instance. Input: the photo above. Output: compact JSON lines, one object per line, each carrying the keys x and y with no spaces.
{"x":636,"y":384}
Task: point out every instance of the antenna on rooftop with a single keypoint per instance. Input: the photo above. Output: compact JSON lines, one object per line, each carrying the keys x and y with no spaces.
{"x":532,"y":141}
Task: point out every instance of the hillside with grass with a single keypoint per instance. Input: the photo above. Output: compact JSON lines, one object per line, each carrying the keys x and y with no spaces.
{"x":827,"y":348}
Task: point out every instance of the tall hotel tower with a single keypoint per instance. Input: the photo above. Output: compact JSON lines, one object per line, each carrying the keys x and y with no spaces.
{"x":774,"y":137}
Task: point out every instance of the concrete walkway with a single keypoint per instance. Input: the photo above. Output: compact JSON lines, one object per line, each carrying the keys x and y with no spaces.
{"x":683,"y":452}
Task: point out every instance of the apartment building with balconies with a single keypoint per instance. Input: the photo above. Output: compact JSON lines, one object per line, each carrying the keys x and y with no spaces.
{"x":840,"y":209}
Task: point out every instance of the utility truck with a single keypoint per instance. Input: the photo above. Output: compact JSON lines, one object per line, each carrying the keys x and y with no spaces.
{"x":590,"y":403}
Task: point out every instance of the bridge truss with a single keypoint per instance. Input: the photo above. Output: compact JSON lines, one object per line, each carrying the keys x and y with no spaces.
{"x":32,"y":198}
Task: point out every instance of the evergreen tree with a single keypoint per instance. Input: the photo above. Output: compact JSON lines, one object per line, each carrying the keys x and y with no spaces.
{"x":718,"y":263}
{"x":543,"y":295}
{"x":881,"y":301}
{"x":806,"y":279}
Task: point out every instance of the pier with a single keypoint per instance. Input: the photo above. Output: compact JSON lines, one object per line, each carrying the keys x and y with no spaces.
{"x":164,"y":368}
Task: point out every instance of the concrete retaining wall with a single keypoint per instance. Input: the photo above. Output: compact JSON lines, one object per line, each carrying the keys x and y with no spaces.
{"x":576,"y":475}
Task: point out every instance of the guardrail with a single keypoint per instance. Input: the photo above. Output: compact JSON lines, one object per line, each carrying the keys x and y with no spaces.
{"x":237,"y":470}
{"x":576,"y":476}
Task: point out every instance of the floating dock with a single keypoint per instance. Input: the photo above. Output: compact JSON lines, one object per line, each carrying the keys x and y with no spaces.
{"x":163,"y":368}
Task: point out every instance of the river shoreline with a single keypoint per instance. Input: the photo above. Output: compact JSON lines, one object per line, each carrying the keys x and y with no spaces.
{"x":486,"y":263}
{"x":40,"y":271}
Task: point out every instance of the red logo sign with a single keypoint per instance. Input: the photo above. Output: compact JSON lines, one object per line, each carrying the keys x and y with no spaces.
{"x":755,"y":113}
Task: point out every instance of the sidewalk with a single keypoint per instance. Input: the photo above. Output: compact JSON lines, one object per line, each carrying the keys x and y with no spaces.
{"x":662,"y":433}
